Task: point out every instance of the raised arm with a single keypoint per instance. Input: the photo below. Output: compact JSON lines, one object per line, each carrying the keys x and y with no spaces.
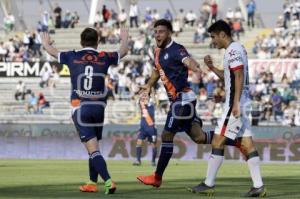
{"x":208,"y":61}
{"x":124,"y":41}
{"x":47,"y":44}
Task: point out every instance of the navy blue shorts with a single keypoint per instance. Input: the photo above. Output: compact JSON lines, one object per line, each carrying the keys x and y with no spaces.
{"x":88,"y":120}
{"x":180,"y":117}
{"x":150,"y":133}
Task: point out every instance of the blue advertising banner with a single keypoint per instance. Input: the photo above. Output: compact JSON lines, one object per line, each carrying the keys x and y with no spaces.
{"x":61,"y":141}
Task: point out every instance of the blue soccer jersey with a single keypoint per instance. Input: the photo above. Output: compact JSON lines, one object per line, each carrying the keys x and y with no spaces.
{"x":147,"y":114}
{"x":173,"y":73}
{"x":147,"y":125}
{"x":88,"y":69}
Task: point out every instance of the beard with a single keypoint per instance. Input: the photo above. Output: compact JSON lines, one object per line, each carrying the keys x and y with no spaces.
{"x":164,"y":43}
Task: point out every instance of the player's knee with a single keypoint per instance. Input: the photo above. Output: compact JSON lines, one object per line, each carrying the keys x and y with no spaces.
{"x":245,"y":149}
{"x":92,"y":145}
{"x":153,"y":145}
{"x":167,"y":136}
{"x":218,"y":142}
{"x":139,"y":142}
{"x":247,"y":146}
{"x":198,"y":139}
{"x":153,"y":140}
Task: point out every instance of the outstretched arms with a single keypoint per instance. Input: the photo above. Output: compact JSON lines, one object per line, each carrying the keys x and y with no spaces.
{"x":47,"y":44}
{"x":124,"y":41}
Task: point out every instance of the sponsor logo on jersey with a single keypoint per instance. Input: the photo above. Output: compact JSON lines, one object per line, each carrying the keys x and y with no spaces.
{"x":82,"y":93}
{"x":232,"y":53}
{"x":183,"y":52}
{"x":89,"y":58}
{"x":235,"y":59}
{"x":166,"y":56}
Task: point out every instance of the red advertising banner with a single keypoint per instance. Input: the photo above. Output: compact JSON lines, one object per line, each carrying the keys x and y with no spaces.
{"x":278,"y":67}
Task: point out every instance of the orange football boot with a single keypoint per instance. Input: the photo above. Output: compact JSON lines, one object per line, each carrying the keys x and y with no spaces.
{"x":153,"y":180}
{"x":89,"y":187}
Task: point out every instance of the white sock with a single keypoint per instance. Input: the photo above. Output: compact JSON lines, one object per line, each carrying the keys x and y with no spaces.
{"x":214,"y":164}
{"x":253,"y":165}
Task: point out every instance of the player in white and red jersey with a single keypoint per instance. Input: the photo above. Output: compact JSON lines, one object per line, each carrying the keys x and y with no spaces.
{"x":234,"y":123}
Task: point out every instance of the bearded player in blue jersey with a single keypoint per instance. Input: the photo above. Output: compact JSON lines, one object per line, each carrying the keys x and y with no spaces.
{"x":88,"y":68}
{"x":172,"y":62}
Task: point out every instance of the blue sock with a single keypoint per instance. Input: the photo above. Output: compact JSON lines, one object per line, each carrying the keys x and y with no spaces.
{"x":99,"y":165}
{"x":164,"y":158}
{"x":154,"y":153}
{"x":138,"y":152}
{"x":93,"y":173}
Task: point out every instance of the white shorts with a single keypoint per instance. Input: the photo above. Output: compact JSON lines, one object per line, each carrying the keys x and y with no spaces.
{"x":232,"y":127}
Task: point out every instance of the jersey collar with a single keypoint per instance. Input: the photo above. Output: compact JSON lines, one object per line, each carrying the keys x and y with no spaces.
{"x":170,"y":44}
{"x":230,"y":45}
{"x":88,"y":48}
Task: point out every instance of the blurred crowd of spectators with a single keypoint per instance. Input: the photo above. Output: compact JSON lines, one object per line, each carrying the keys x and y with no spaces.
{"x":284,"y":41}
{"x":272,"y":101}
{"x":26,"y":46}
{"x":35,"y":101}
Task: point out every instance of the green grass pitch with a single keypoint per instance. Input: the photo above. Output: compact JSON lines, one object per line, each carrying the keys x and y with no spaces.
{"x":43,"y":179}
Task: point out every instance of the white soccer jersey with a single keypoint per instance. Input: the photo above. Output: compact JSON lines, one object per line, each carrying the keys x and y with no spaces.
{"x":235,"y":58}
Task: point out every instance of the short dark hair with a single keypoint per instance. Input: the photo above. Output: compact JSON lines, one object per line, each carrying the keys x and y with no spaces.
{"x":164,"y":22}
{"x":219,"y":26}
{"x":89,"y":37}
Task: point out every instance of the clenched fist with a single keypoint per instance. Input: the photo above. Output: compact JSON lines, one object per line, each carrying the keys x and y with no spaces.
{"x":208,"y":61}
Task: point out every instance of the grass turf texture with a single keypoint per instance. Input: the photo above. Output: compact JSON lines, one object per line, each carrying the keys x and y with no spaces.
{"x":28,"y":179}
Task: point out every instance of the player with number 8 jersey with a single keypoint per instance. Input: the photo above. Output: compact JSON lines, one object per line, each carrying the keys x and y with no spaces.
{"x":88,"y":69}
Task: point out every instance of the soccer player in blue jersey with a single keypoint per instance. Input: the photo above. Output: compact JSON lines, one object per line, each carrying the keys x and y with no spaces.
{"x":88,"y":69}
{"x":147,"y":129}
{"x":172,"y":62}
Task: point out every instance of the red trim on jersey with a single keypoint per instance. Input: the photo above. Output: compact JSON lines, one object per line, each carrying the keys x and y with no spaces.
{"x":167,"y":83}
{"x":223,"y":130}
{"x":237,"y":68}
{"x":101,"y":54}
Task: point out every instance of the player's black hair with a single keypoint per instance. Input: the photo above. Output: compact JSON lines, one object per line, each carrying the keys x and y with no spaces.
{"x":220,"y":26}
{"x":164,"y":22}
{"x":89,"y":37}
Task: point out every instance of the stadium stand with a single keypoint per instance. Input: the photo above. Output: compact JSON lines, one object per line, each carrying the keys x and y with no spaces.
{"x":271,"y":99}
{"x":284,"y":40}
